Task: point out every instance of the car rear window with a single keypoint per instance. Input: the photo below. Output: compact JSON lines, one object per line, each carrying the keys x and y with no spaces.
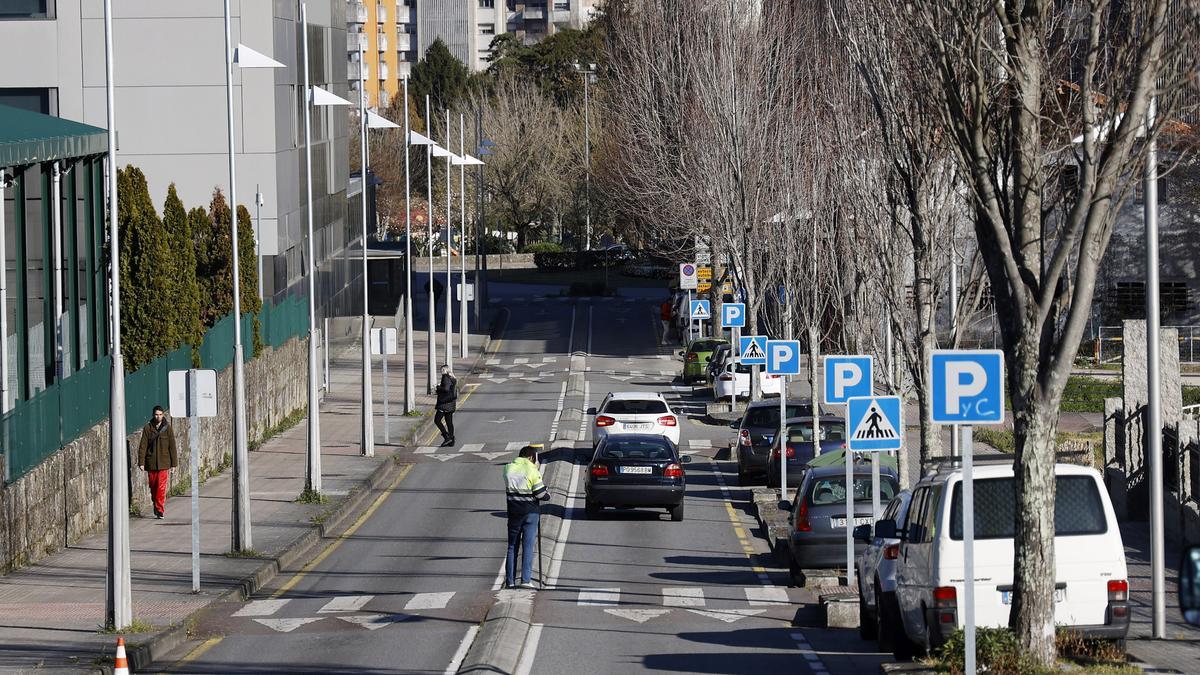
{"x":636,"y":450}
{"x":830,"y":431}
{"x":768,"y":415}
{"x":705,"y":346}
{"x":1077,"y":508}
{"x":832,"y":490}
{"x":635,"y":407}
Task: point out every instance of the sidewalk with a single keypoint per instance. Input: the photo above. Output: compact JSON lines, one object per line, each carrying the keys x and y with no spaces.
{"x":1181,"y":648}
{"x":53,"y":610}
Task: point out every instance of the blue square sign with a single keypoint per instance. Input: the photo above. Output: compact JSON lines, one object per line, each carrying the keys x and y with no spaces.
{"x":733,"y":315}
{"x":874,"y":423}
{"x":752,"y":350}
{"x":847,"y":377}
{"x":967,"y":386}
{"x":700,"y":310}
{"x":783,"y":357}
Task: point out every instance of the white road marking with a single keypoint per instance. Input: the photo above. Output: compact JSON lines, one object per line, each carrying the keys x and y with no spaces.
{"x":766,"y":595}
{"x":471,"y":447}
{"x":529,"y":650}
{"x":492,"y":362}
{"x":442,"y":458}
{"x":375,"y":621}
{"x":491,"y":456}
{"x":638,"y":615}
{"x":700,"y":443}
{"x":345,"y":603}
{"x":592,"y":597}
{"x":429,"y":601}
{"x":286,"y":625}
{"x":519,"y":360}
{"x":262,"y":607}
{"x":497,"y":380}
{"x":461,"y":653}
{"x":727,"y":615}
{"x":426,"y":450}
{"x":561,"y":545}
{"x":682,"y":596}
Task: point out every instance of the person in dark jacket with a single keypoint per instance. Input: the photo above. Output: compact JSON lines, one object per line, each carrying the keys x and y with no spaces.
{"x":157,"y":456}
{"x":447,"y":401}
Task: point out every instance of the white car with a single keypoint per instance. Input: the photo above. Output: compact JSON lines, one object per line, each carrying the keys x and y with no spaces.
{"x":738,"y":375}
{"x":876,"y":568}
{"x":1091,"y":582}
{"x":635,"y":412}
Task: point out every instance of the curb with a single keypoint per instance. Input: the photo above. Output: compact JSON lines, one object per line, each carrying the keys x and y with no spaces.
{"x":142,"y":655}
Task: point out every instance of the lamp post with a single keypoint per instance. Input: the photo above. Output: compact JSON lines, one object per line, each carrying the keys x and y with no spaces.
{"x":431,"y":332}
{"x":313,"y":95}
{"x":374,"y":121}
{"x":367,"y":428}
{"x":239,"y":534}
{"x":588,"y":73}
{"x":463,"y":161}
{"x":411,"y":138}
{"x":450,"y":157}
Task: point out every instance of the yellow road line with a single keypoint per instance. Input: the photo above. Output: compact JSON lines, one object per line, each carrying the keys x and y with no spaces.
{"x":291,"y":583}
{"x":468,"y":390}
{"x":197,"y":652}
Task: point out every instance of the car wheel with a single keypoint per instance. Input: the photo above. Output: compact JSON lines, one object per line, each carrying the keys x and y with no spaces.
{"x":867,"y":625}
{"x":887,"y":618}
{"x":591,"y":509}
{"x":794,"y":572}
{"x":902,"y":647}
{"x":676,"y":512}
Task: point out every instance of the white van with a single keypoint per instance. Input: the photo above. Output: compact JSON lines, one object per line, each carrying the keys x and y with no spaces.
{"x":1091,"y":585}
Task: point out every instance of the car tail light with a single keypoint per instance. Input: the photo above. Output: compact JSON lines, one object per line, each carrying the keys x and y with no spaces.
{"x":744,"y":437}
{"x":726,"y":378}
{"x":673,"y":470}
{"x":945,"y":603}
{"x":772,"y":377}
{"x":605,"y":421}
{"x":1118,"y":597}
{"x":791,"y":452}
{"x":599,"y":471}
{"x":802,"y":524}
{"x":692,"y":357}
{"x":667,"y":421}
{"x":891,"y":552}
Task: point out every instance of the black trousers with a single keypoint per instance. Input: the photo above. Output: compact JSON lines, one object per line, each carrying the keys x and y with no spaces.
{"x":445,"y":423}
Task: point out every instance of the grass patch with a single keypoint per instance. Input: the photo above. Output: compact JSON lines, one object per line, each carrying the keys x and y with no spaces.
{"x":181,"y":488}
{"x":998,"y":650}
{"x":135,"y":509}
{"x":244,"y":553}
{"x":1002,"y":440}
{"x":135,"y":626}
{"x":292,"y":419}
{"x":565,"y":277}
{"x":310,"y":496}
{"x":415,"y":413}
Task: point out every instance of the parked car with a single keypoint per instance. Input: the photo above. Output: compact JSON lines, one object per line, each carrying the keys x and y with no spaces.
{"x":634,"y":413}
{"x":736,"y":377}
{"x":876,"y":569}
{"x":716,"y":363}
{"x":800,"y":448}
{"x":696,"y":356}
{"x":1091,"y":581}
{"x":755,"y":431}
{"x":641,"y":470}
{"x":817,"y":518}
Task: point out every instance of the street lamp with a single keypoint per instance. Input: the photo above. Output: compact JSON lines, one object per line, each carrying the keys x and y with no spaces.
{"x":371,"y":121}
{"x":431,"y":328}
{"x":450,"y":158}
{"x":239,"y":528}
{"x":464,"y":160}
{"x":313,"y":96}
{"x":411,"y":138}
{"x":588,"y":73}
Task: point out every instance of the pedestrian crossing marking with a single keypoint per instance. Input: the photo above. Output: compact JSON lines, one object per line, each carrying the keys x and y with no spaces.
{"x":492,"y":362}
{"x":638,"y":615}
{"x":375,"y":621}
{"x":345,"y":603}
{"x":727,"y":615}
{"x":425,"y":450}
{"x":471,"y":447}
{"x":515,"y":446}
{"x":519,"y":361}
{"x":287,"y":625}
{"x":429,"y":601}
{"x":683,"y":597}
{"x":599,"y":596}
{"x":700,"y":443}
{"x":491,"y":456}
{"x":261,"y":607}
{"x":766,"y":595}
{"x":875,"y":426}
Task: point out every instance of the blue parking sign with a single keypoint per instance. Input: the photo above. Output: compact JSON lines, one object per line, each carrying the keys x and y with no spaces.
{"x":783,"y":357}
{"x":874,"y":423}
{"x":967,"y":386}
{"x":733,"y":315}
{"x":847,"y":377}
{"x":752,"y":350}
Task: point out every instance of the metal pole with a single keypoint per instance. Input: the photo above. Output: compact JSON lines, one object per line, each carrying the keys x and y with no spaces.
{"x":239,"y":527}
{"x":587,"y":158}
{"x":410,"y":388}
{"x":312,"y":476}
{"x":258,"y":204}
{"x":874,"y":485}
{"x":194,"y":451}
{"x":462,"y":237}
{"x":3,"y":325}
{"x":449,"y":240}
{"x":782,"y":437}
{"x":56,"y":220}
{"x":849,"y":457}
{"x":1153,"y":384}
{"x":431,"y":330}
{"x":367,"y":427}
{"x":954,"y":449}
{"x":968,"y":524}
{"x":118,"y":600}
{"x":733,"y":349}
{"x":481,"y":231}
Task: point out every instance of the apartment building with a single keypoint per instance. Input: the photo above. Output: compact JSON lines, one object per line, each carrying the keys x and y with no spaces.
{"x":389,"y":36}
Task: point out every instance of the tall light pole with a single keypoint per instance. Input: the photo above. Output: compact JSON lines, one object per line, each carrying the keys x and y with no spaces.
{"x":1153,"y":381}
{"x":239,"y":526}
{"x":587,"y":73}
{"x":367,"y":429}
{"x":450,"y":157}
{"x":411,"y":138}
{"x":464,"y":160}
{"x":118,"y":598}
{"x":431,"y":332}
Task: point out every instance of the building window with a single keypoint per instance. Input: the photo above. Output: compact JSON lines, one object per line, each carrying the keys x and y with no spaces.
{"x":27,"y":9}
{"x":487,"y":29}
{"x":563,"y":6}
{"x":487,"y":4}
{"x":39,"y":100}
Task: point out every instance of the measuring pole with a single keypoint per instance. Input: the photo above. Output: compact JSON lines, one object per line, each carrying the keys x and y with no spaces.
{"x":968,"y":488}
{"x":194,"y":445}
{"x":782,"y":435}
{"x":691,"y":321}
{"x":733,"y":349}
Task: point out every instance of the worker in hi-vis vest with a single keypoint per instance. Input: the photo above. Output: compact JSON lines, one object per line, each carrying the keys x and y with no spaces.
{"x":524,"y":491}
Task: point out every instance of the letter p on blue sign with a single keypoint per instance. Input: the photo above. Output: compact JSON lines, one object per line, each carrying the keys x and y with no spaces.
{"x":967,"y":386}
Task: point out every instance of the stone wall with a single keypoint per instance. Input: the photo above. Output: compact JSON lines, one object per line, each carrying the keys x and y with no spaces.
{"x":66,"y":496}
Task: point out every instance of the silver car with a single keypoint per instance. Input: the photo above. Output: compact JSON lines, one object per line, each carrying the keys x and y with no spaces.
{"x":876,"y":568}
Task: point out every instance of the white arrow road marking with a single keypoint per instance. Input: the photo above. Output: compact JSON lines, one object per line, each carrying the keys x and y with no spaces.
{"x":442,"y":458}
{"x":429,"y":601}
{"x":621,"y":378}
{"x":261,"y":607}
{"x":471,"y":447}
{"x":766,"y":595}
{"x":727,"y":615}
{"x":683,"y":596}
{"x":503,"y":420}
{"x":638,"y":615}
{"x":491,"y":456}
{"x":287,"y":625}
{"x":688,"y":452}
{"x":375,"y":621}
{"x":345,"y":603}
{"x":505,"y":366}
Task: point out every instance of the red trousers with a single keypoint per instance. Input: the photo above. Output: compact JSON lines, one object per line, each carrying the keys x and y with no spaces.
{"x":158,"y":488}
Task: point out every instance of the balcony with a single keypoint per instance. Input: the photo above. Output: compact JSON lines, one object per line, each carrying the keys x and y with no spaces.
{"x":535,"y":13}
{"x":356,"y":42}
{"x":381,"y":41}
{"x":356,"y":12}
{"x":353,"y":71}
{"x":383,"y":71}
{"x":380,"y":13}
{"x":405,"y":42}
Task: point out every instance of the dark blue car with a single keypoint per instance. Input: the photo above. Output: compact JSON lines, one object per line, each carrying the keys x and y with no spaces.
{"x":800,"y":448}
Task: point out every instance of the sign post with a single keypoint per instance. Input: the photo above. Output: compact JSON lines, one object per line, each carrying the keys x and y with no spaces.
{"x":783,"y":359}
{"x":846,"y":377}
{"x":384,"y":343}
{"x":194,"y":391}
{"x":967,"y":388}
{"x":733,"y":317}
{"x":688,"y":281}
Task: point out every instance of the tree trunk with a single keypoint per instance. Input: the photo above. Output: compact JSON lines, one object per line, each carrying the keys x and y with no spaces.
{"x":931,"y":441}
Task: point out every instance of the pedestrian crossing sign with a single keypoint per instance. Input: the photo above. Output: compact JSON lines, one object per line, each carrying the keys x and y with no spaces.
{"x":874,"y":423}
{"x":700,"y":310}
{"x":752,"y":350}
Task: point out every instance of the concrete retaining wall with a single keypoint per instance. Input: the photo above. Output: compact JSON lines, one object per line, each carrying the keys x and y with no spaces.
{"x":66,"y":496}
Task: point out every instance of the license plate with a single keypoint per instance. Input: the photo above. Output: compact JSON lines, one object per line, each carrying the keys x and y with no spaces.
{"x":1060,"y":594}
{"x":637,"y":469}
{"x":841,"y":522}
{"x":637,"y":427}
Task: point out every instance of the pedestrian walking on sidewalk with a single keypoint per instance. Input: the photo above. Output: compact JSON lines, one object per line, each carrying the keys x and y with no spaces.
{"x":524,"y":491}
{"x":157,"y":456}
{"x":665,"y":313}
{"x":447,"y":401}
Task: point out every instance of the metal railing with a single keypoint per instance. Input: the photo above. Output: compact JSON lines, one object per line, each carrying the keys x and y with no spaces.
{"x":1110,"y":345}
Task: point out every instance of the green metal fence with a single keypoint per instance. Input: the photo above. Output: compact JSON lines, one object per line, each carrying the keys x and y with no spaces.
{"x":36,"y":428}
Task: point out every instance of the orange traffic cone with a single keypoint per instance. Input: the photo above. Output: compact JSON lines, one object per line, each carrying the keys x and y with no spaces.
{"x":121,"y":664}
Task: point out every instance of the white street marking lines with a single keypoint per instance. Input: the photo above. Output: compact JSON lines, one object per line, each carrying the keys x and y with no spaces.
{"x":429,"y":601}
{"x":599,"y":596}
{"x":461,"y":652}
{"x":675,"y":596}
{"x":638,"y":615}
{"x":261,"y":607}
{"x":471,"y":447}
{"x":375,"y":621}
{"x":345,"y":603}
{"x":492,"y":362}
{"x":491,"y":456}
{"x":425,"y":450}
{"x":443,"y":458}
{"x":286,"y":625}
{"x":766,"y":595}
{"x":518,"y":361}
{"x":700,"y":443}
{"x":727,"y":615}
{"x":517,"y":445}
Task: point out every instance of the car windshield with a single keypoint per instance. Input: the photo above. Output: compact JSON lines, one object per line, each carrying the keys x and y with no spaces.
{"x":832,"y":490}
{"x":803,"y":432}
{"x":705,"y":346}
{"x":647,"y":449}
{"x":768,"y":415}
{"x":626,"y":406}
{"x":1077,"y":508}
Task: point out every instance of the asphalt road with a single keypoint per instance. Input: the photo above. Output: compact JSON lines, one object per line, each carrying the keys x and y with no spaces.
{"x":406,"y":588}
